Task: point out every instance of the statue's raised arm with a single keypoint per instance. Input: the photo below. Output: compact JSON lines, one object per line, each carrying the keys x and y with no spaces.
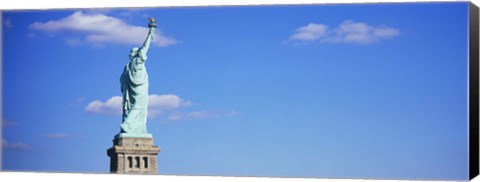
{"x":146,"y":45}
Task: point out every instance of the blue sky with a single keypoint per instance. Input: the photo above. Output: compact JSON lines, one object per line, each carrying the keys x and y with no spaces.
{"x":324,"y":91}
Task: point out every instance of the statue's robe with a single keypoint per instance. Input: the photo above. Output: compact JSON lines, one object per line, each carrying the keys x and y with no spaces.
{"x":134,"y":87}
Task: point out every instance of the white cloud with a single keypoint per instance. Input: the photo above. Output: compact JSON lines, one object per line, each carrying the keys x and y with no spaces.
{"x":111,"y":106}
{"x":157,"y":104}
{"x":347,"y":32}
{"x":98,"y":29}
{"x":168,"y":101}
{"x":350,"y":31}
{"x":310,"y":32}
{"x":168,"y":106}
{"x":15,"y":146}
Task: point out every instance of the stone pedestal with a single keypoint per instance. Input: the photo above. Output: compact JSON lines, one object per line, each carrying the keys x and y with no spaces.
{"x":133,"y":156}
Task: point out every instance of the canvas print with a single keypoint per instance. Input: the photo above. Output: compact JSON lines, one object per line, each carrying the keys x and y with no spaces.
{"x":363,"y":91}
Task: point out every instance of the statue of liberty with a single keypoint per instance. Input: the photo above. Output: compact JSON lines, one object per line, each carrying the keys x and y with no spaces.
{"x":134,"y":87}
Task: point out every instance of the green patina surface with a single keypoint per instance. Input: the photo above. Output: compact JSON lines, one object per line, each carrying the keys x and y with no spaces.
{"x":134,"y":87}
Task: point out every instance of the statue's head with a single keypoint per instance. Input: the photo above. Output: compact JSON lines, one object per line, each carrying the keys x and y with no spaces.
{"x":133,"y":52}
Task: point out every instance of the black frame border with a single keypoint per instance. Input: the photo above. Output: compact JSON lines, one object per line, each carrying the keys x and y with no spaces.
{"x":473,"y":91}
